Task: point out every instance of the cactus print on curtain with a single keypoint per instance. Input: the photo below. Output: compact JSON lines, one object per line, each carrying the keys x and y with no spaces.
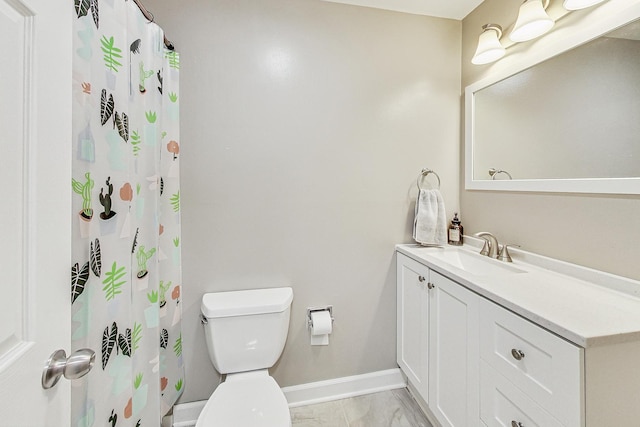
{"x":126,"y":275}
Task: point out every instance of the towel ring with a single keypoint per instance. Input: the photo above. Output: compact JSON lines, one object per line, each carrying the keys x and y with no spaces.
{"x":493,"y":172}
{"x":424,"y":173}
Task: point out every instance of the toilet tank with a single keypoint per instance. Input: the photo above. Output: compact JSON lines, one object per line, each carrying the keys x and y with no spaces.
{"x":246,"y":330}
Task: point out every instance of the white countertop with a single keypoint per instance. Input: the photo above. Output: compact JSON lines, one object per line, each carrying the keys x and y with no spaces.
{"x":584,"y":306}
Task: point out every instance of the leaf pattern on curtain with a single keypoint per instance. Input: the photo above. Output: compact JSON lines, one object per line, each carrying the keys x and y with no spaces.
{"x":126,"y":272}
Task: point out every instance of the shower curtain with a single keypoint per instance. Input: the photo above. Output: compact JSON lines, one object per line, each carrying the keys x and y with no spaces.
{"x":126,"y":272}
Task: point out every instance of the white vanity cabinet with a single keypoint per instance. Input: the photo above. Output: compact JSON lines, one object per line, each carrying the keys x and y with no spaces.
{"x":539,"y":344}
{"x":437,"y":346}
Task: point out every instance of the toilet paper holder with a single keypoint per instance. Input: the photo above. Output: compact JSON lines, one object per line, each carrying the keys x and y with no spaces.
{"x":310,"y":310}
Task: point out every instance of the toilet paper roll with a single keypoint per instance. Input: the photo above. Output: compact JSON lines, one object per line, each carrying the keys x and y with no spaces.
{"x":320,"y":339}
{"x":321,"y":323}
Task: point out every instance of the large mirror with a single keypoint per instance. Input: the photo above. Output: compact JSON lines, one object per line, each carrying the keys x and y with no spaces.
{"x":570,"y":123}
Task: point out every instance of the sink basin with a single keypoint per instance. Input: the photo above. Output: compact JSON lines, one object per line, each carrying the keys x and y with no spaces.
{"x":476,"y":264}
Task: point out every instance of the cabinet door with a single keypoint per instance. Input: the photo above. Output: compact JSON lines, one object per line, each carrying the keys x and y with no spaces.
{"x":413,"y":322}
{"x":454,"y":354}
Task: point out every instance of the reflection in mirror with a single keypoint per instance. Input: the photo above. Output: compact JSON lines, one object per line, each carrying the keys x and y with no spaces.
{"x":574,"y":116}
{"x":563,"y":116}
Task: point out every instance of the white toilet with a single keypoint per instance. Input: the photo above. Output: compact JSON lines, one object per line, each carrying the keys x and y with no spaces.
{"x":245,"y":333}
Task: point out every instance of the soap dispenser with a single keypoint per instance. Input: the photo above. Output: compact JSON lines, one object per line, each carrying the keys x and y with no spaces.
{"x":455,"y":231}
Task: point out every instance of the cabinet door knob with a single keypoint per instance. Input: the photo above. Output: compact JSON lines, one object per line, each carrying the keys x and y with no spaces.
{"x":518,"y":355}
{"x":421,"y":279}
{"x":430,"y":285}
{"x":516,"y":424}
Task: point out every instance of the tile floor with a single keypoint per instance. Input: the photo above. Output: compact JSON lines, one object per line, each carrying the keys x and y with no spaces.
{"x":394,"y":408}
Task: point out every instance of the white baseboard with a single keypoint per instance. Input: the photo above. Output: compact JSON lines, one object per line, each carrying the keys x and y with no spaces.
{"x":341,"y":388}
{"x":186,"y":414}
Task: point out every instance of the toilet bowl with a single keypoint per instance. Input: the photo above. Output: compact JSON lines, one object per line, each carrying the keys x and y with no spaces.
{"x":245,"y":332}
{"x":251,"y":399}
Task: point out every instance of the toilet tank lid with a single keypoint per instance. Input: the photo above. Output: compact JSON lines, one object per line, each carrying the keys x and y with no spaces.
{"x":245,"y":303}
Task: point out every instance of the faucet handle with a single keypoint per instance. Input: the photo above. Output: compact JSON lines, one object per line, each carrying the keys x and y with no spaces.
{"x":504,"y":253}
{"x":491,"y":245}
{"x":485,"y":248}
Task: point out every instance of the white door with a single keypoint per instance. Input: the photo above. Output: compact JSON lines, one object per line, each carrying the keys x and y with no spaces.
{"x":454,"y":354}
{"x":35,"y":226}
{"x":413,"y":323}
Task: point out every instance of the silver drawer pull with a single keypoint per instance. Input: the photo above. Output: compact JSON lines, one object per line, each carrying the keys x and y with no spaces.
{"x":516,"y":424}
{"x":430,"y":285}
{"x":518,"y":355}
{"x":421,"y":279}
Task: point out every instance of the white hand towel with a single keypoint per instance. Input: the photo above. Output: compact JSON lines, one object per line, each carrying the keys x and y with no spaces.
{"x":430,"y":223}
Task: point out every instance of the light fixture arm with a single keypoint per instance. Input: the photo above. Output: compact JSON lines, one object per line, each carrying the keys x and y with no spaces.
{"x":495,"y":27}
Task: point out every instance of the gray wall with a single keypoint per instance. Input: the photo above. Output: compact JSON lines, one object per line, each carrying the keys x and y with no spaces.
{"x":597,"y":231}
{"x":304,"y":126}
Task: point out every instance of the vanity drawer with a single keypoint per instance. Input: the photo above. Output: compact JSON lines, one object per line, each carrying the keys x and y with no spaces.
{"x":503,"y":404}
{"x":545,"y":367}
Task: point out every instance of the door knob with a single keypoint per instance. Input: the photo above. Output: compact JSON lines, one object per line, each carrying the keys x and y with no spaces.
{"x":73,"y":367}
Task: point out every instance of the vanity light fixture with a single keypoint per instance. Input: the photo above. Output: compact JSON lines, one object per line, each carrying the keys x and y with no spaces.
{"x":489,"y":47}
{"x":532,"y":21}
{"x":580,"y":4}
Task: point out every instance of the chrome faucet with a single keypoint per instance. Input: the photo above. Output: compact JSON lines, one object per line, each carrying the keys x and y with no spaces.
{"x":490,"y":247}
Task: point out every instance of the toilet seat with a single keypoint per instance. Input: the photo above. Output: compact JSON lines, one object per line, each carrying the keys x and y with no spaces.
{"x":246,"y":399}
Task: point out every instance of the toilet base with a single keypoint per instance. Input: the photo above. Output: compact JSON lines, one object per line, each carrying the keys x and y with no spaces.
{"x":246,"y":399}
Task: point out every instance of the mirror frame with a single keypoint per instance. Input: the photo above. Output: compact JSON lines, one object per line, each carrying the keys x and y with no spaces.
{"x":566,"y":38}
